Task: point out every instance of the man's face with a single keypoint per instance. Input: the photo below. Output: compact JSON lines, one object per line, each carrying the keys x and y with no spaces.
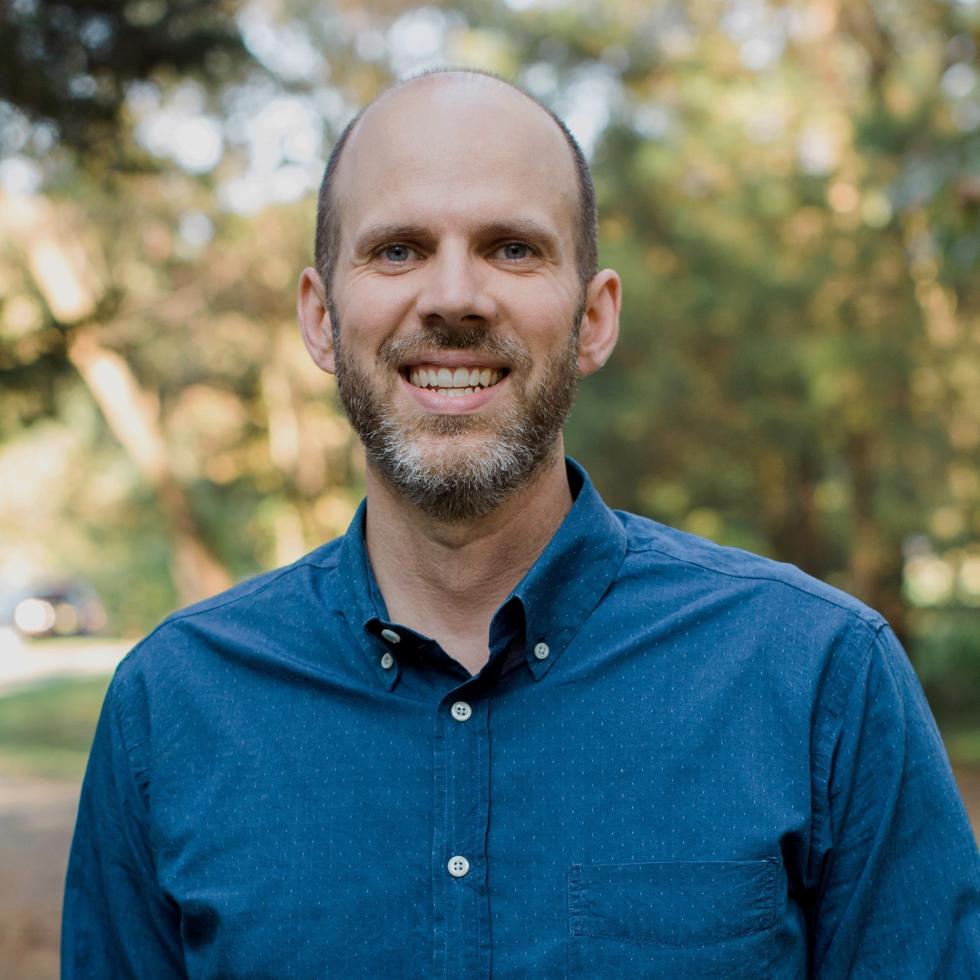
{"x":456,"y":300}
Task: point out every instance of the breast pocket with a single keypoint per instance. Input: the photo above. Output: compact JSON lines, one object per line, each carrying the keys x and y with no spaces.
{"x":673,"y":919}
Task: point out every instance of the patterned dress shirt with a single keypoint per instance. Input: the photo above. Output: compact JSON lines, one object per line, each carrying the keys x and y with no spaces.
{"x":681,"y":760}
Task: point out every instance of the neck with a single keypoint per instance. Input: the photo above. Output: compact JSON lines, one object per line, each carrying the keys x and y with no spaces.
{"x":446,"y":580}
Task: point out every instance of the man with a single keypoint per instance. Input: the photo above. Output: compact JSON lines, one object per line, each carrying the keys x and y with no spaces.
{"x":498,"y":729}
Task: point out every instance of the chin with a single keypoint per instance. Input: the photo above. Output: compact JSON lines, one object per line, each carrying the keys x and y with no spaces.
{"x":449,"y":455}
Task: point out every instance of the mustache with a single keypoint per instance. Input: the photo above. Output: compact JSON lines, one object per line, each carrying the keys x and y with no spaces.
{"x":477,"y":340}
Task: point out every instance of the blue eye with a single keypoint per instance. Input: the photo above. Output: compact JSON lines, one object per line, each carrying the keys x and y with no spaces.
{"x":396,"y":253}
{"x":515,"y":251}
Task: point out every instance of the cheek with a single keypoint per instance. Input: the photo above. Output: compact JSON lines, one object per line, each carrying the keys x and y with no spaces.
{"x":372,"y":310}
{"x":541,"y":322}
{"x":540,"y":302}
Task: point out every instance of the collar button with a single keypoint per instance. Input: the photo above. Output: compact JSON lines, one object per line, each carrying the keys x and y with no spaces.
{"x":541,"y":651}
{"x":461,"y":711}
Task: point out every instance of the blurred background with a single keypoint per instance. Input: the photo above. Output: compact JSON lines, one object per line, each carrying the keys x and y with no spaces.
{"x":790,"y":190}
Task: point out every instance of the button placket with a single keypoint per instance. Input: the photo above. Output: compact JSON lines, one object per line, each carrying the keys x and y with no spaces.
{"x":460,"y":875}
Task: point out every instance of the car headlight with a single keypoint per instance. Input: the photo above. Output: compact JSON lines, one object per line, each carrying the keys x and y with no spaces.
{"x":34,"y":616}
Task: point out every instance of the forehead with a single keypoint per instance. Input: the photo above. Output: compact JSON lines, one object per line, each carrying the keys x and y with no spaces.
{"x":454,"y":150}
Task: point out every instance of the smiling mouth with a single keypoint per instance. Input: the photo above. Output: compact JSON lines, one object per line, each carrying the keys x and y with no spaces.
{"x":454,"y":382}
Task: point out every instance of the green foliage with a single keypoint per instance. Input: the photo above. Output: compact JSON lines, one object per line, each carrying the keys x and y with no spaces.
{"x":946,"y":654}
{"x":47,"y":730}
{"x":963,"y":746}
{"x":791,"y":193}
{"x":68,"y":64}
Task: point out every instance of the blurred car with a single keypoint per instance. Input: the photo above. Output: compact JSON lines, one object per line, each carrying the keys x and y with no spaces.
{"x":68,"y":608}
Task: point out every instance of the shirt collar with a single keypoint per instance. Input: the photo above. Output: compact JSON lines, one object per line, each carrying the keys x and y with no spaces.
{"x":557,"y":594}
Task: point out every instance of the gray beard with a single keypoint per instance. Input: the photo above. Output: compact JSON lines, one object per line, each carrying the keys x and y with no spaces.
{"x":467,"y":485}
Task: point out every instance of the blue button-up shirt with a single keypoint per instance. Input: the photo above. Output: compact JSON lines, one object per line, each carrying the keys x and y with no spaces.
{"x":681,"y":760}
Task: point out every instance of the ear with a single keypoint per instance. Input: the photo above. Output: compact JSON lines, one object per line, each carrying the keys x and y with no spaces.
{"x":314,"y":320}
{"x":599,"y":328}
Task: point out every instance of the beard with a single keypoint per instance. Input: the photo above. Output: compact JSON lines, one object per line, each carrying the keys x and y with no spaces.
{"x":431,"y":459}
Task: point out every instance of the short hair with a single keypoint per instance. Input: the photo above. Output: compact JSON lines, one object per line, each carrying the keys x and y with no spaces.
{"x":327,"y":240}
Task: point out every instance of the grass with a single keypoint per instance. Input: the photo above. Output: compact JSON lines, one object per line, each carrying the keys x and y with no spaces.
{"x":960,"y":728}
{"x":47,"y":730}
{"x":74,"y":644}
{"x":963,"y":746}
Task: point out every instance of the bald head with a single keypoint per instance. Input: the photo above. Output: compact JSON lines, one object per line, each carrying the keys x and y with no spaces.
{"x":452,"y":108}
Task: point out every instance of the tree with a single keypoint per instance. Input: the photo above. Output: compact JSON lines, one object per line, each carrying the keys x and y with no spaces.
{"x":64,"y":74}
{"x":790,"y":191}
{"x":68,"y":65}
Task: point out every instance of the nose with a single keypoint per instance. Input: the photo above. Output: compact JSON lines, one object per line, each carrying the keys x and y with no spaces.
{"x":454,"y":289}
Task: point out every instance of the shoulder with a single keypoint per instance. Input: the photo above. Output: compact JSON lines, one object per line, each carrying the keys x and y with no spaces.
{"x":269,"y":588}
{"x":809,"y":639}
{"x":258,"y":613}
{"x":698,"y":564}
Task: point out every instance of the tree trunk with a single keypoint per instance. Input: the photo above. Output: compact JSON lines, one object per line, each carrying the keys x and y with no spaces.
{"x":876,"y":567}
{"x":133,"y":417}
{"x":64,"y":265}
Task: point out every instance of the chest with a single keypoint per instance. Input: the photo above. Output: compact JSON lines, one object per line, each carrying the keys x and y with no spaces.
{"x":574,"y":827}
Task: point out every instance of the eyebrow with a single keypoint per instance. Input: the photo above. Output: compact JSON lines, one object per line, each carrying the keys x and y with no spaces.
{"x":524,"y":229}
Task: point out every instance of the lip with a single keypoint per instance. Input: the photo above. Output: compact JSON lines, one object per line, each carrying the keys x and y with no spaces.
{"x":437,"y":404}
{"x":452,"y":359}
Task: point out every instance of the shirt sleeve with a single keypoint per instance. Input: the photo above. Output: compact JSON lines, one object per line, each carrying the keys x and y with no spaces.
{"x":898,"y":890}
{"x":116,"y":922}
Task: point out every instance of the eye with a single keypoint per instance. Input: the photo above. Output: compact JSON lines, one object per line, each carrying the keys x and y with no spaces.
{"x":396,"y":253}
{"x":515,"y":251}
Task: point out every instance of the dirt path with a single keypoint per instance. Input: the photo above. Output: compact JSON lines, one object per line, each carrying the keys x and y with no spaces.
{"x":36,"y":819}
{"x":969,"y":780}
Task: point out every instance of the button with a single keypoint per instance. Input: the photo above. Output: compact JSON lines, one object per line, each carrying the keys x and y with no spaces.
{"x":387,"y":661}
{"x":461,"y":711}
{"x":391,"y":636}
{"x":458,"y":866}
{"x":541,"y":651}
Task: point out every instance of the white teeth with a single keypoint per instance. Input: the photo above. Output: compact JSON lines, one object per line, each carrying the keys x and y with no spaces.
{"x":461,"y":381}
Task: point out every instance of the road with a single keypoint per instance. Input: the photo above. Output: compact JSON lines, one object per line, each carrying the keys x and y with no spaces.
{"x":36,"y":819}
{"x":37,"y":815}
{"x":23,"y":662}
